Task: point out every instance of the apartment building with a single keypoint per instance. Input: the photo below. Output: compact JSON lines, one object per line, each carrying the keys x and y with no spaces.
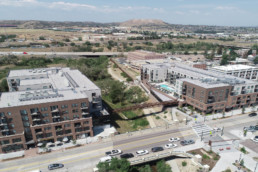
{"x":144,"y":55}
{"x":239,"y":70}
{"x":155,"y":72}
{"x":208,"y":91}
{"x":46,"y":105}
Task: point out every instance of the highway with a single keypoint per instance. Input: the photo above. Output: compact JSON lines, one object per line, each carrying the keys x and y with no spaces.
{"x":87,"y":156}
{"x":57,"y":54}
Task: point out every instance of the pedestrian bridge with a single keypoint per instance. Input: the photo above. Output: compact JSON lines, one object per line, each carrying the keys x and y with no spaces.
{"x":158,"y":156}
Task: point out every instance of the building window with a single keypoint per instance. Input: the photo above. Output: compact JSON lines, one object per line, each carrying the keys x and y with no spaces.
{"x":53,"y":107}
{"x":45,"y":114}
{"x":12,"y":125}
{"x":86,"y":122}
{"x":28,"y":89}
{"x":44,"y":109}
{"x":47,"y":128}
{"x":75,"y":116}
{"x":65,"y":112}
{"x":25,"y":118}
{"x":34,"y":110}
{"x":64,"y":106}
{"x":17,"y":140}
{"x":23,"y":112}
{"x":46,"y":120}
{"x":67,"y":125}
{"x":75,"y":110}
{"x":45,"y":87}
{"x":83,"y":104}
{"x":68,"y":131}
{"x":26,"y":124}
{"x":9,"y":113}
{"x":74,"y":105}
{"x":4,"y":142}
{"x":48,"y":134}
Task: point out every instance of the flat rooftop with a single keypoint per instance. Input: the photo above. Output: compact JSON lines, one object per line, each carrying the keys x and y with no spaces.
{"x":23,"y":98}
{"x":205,"y":84}
{"x":233,"y":67}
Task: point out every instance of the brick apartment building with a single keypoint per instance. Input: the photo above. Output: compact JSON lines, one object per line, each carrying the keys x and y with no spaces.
{"x":207,"y":91}
{"x":46,"y":105}
{"x":144,"y":55}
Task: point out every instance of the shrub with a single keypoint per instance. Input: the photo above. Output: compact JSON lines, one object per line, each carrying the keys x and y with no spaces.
{"x":165,"y":116}
{"x":243,"y":150}
{"x":157,"y":117}
{"x":184,"y":163}
{"x":204,"y":156}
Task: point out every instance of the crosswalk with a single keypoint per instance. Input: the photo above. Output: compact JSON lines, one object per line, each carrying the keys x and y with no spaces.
{"x":202,"y":129}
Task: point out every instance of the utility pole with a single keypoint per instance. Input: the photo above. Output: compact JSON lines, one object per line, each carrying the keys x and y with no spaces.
{"x":202,"y":136}
{"x":222,"y":131}
{"x":255,"y":167}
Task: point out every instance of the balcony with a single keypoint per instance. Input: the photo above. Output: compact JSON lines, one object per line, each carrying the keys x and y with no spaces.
{"x":256,"y":90}
{"x":35,"y":113}
{"x":3,"y":124}
{"x":58,"y":133}
{"x":84,"y":108}
{"x":243,"y":91}
{"x":96,"y":99}
{"x":210,"y":101}
{"x":55,"y":110}
{"x":36,"y":119}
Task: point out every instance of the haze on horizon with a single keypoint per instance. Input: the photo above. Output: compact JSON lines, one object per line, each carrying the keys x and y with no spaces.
{"x":195,"y":12}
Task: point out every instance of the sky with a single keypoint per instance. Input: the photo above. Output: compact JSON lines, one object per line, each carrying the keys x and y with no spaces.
{"x":195,"y":12}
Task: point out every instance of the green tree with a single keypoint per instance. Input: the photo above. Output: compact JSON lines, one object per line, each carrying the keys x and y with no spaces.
{"x":4,"y":86}
{"x":116,"y":165}
{"x":42,"y":38}
{"x":163,"y":167}
{"x":117,"y":92}
{"x":80,"y":38}
{"x":256,"y":60}
{"x":224,"y":60}
{"x":146,"y":168}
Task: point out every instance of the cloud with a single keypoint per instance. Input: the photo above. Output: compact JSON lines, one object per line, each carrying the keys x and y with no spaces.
{"x":227,"y":8}
{"x":179,"y":12}
{"x":69,"y":6}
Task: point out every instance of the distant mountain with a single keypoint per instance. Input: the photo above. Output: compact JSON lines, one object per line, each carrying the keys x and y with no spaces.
{"x":143,"y":22}
{"x":35,"y":24}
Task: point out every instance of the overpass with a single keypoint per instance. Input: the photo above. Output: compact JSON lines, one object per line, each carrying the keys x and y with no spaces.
{"x":60,"y":54}
{"x":158,"y":156}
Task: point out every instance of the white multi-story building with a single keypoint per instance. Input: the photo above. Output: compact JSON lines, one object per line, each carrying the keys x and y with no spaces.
{"x":242,"y":71}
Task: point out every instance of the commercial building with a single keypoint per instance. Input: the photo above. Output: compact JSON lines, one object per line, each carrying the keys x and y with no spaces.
{"x":239,"y":70}
{"x":207,"y":91}
{"x":46,"y":105}
{"x":144,"y":55}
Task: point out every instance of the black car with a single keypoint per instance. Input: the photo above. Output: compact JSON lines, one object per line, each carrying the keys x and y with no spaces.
{"x":55,"y":166}
{"x":157,"y":149}
{"x":252,"y":114}
{"x":127,"y":155}
{"x":187,"y":142}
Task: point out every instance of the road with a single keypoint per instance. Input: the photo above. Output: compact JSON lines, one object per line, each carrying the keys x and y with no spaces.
{"x":86,"y":157}
{"x":62,"y":53}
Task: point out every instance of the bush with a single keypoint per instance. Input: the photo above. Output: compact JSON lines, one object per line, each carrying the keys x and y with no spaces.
{"x":157,"y":117}
{"x":165,"y":116}
{"x":204,"y":156}
{"x":184,"y":163}
{"x":243,"y":150}
{"x":142,"y":122}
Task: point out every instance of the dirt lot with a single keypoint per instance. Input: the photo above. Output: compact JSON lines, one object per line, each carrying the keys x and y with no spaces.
{"x":209,"y":158}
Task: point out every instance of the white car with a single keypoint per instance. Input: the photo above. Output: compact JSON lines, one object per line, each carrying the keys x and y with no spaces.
{"x":114,"y":152}
{"x":174,"y":139}
{"x":106,"y":159}
{"x":142,"y":152}
{"x":170,"y":145}
{"x":255,"y":139}
{"x":217,"y":129}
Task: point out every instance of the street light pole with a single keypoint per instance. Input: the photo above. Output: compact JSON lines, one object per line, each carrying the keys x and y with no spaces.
{"x":255,"y":166}
{"x":222,"y":131}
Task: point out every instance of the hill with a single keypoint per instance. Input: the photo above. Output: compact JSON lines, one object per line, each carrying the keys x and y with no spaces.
{"x":143,"y":22}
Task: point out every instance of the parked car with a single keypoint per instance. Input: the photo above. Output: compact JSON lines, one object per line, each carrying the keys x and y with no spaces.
{"x":157,"y":149}
{"x":105,"y":159}
{"x":114,"y":152}
{"x":187,"y":142}
{"x":255,"y":139}
{"x":217,"y":129}
{"x":174,"y":139}
{"x":252,"y":114}
{"x":55,"y":166}
{"x":127,"y":155}
{"x":170,"y":145}
{"x":251,"y":128}
{"x":142,"y":152}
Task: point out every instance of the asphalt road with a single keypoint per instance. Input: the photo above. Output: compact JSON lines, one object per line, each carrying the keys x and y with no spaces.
{"x":86,"y":157}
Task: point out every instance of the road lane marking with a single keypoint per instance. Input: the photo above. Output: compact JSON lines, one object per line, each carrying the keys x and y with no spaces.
{"x":74,"y":155}
{"x":110,"y":147}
